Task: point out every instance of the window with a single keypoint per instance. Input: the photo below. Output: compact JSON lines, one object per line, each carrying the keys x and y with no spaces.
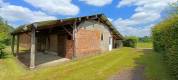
{"x":102,"y":36}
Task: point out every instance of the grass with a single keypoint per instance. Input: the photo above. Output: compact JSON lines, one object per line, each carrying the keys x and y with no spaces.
{"x":144,"y":45}
{"x":100,"y":67}
{"x":155,"y":68}
{"x":9,"y":67}
{"x":94,"y":68}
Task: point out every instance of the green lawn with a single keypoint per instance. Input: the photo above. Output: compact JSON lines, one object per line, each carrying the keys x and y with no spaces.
{"x":155,"y":68}
{"x":10,"y":68}
{"x":144,"y":45}
{"x":99,"y":67}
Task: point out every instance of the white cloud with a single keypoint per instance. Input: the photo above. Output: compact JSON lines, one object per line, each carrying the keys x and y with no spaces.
{"x":18,"y":14}
{"x":132,"y":31}
{"x":110,"y":19}
{"x":97,"y":2}
{"x":146,"y":12}
{"x":59,"y":7}
{"x":125,"y":2}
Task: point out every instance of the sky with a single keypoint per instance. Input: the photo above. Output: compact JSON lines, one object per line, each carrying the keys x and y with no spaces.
{"x":130,"y":17}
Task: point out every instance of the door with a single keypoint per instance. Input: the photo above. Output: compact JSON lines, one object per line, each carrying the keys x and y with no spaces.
{"x":110,"y":43}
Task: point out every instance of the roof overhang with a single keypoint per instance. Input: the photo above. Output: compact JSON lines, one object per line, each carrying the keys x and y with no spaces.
{"x":69,"y":21}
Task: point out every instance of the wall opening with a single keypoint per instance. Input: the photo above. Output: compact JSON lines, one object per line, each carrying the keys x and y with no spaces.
{"x":102,"y":37}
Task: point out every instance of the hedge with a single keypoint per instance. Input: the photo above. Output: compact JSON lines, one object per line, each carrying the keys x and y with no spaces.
{"x":2,"y":54}
{"x":165,"y":41}
{"x":130,"y":41}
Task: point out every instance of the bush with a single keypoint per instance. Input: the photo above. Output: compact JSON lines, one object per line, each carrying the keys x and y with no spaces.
{"x":145,"y":39}
{"x":2,"y":54}
{"x":165,"y":40}
{"x":130,"y":42}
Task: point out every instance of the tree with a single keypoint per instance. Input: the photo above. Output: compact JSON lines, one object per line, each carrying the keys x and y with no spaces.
{"x":130,"y":41}
{"x":5,"y":31}
{"x":174,"y":8}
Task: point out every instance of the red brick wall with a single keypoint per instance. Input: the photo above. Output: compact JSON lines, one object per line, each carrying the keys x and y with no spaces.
{"x":87,"y":42}
{"x":69,"y":49}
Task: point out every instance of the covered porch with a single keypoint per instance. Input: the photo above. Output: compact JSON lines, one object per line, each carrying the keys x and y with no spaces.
{"x":41,"y":45}
{"x":42,"y":59}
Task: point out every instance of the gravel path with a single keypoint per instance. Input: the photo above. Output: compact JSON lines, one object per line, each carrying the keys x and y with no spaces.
{"x":136,"y":73}
{"x":130,"y":74}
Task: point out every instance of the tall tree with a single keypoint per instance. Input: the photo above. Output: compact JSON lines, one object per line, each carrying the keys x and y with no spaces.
{"x":174,"y":7}
{"x":5,"y":31}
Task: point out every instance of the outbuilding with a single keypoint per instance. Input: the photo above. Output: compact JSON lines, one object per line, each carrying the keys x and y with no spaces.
{"x":67,"y":38}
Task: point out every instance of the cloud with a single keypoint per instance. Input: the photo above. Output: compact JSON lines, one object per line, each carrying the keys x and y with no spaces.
{"x":19,"y":15}
{"x":98,"y":3}
{"x":57,"y":7}
{"x":110,"y":19}
{"x":131,"y":31}
{"x":147,"y":12}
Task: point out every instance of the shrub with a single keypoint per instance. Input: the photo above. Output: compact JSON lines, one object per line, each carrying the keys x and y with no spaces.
{"x":165,"y":40}
{"x":2,"y":54}
{"x":145,"y":39}
{"x":130,"y":42}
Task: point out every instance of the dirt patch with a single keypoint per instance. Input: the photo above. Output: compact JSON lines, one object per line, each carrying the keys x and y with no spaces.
{"x":131,"y":74}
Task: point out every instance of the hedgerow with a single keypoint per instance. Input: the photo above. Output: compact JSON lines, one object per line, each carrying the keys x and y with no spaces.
{"x":165,"y":40}
{"x":130,"y":41}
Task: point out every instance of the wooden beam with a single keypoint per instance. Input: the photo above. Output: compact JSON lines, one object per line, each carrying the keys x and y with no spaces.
{"x":74,"y":41}
{"x":67,"y":31}
{"x":12,"y":44}
{"x":17,"y":51}
{"x":33,"y":49}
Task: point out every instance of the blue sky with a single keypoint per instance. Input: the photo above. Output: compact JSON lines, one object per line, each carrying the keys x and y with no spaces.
{"x":130,"y":17}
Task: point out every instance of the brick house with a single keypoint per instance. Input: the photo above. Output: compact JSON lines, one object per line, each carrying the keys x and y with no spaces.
{"x":69,"y":38}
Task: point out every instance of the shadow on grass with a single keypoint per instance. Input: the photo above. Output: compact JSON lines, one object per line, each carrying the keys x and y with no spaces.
{"x":3,"y":55}
{"x":150,"y":66}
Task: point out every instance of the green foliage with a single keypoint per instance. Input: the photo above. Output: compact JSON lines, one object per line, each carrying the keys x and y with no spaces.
{"x":145,"y":39}
{"x":2,"y":54}
{"x":130,"y":41}
{"x":165,"y":40}
{"x":5,"y":30}
{"x":174,"y":8}
{"x":5,"y":37}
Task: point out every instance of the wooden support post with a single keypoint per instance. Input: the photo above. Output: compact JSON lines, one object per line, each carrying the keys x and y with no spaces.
{"x":74,"y":41}
{"x":33,"y":50}
{"x":17,"y":51}
{"x":12,"y":44}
